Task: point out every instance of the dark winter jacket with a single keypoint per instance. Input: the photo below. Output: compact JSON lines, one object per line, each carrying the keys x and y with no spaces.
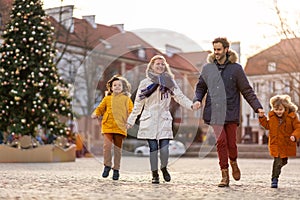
{"x":223,"y":85}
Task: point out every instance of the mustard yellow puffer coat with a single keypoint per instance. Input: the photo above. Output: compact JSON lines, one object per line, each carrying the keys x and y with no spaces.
{"x":280,"y":144}
{"x":115,"y":110}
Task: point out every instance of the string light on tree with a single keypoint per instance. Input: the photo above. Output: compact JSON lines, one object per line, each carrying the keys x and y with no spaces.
{"x":30,"y":84}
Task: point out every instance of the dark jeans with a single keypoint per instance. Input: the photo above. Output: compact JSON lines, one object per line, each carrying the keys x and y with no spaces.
{"x":278,"y":163}
{"x":163,"y":146}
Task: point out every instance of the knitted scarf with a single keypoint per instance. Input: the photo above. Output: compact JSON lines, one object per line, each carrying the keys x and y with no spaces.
{"x":165,"y":83}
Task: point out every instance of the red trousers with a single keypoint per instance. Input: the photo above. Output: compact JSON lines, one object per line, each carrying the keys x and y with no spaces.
{"x":226,"y":143}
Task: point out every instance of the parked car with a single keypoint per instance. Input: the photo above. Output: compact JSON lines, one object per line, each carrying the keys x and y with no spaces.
{"x":176,"y":148}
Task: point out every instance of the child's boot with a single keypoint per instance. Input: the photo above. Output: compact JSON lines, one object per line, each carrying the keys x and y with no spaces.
{"x":155,"y":177}
{"x":116,"y":175}
{"x":106,"y":171}
{"x":274,"y":183}
{"x":166,"y":174}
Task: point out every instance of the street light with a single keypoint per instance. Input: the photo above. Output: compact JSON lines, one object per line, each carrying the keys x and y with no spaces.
{"x":248,"y":131}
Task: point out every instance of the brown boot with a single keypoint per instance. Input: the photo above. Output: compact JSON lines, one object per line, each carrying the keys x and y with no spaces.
{"x":225,"y":178}
{"x":236,"y":173}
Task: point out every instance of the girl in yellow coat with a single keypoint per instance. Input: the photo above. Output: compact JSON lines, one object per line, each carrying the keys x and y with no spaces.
{"x":115,"y":109}
{"x":284,"y":130}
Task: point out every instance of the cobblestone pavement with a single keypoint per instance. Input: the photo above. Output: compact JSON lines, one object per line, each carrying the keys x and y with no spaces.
{"x":192,"y":178}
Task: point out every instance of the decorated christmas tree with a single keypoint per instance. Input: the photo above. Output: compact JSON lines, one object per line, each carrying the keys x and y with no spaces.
{"x":33,"y":97}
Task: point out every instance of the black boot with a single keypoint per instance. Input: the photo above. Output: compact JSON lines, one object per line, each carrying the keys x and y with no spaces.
{"x":274,"y":183}
{"x":155,"y":177}
{"x":166,"y":174}
{"x":116,"y":175}
{"x":106,"y":171}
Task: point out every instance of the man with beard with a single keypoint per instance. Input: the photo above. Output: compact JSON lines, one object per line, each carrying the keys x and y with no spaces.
{"x":222,"y":81}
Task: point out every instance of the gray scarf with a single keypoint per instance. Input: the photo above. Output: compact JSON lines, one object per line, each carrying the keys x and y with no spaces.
{"x":165,"y":83}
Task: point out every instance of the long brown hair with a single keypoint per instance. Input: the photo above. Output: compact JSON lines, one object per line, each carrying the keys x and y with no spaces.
{"x":126,"y":85}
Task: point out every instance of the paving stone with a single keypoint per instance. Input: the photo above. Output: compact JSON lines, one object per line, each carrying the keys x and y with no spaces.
{"x":192,"y":178}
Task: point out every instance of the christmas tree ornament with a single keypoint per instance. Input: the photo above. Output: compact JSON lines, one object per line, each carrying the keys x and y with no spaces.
{"x":31,"y":85}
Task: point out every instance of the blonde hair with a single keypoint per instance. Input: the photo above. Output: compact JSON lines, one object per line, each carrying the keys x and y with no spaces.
{"x":285,"y":101}
{"x":126,"y":85}
{"x":153,"y":59}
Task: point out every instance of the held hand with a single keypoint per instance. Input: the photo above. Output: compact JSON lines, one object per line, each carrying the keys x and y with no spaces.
{"x":261,"y":112}
{"x":293,"y":138}
{"x":196,"y":105}
{"x":128,"y":126}
{"x":93,"y":116}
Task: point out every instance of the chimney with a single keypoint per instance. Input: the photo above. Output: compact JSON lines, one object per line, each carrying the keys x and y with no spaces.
{"x":120,"y":27}
{"x":91,"y":20}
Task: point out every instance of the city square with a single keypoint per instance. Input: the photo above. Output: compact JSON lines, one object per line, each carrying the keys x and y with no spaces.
{"x":192,"y":178}
{"x":71,"y":85}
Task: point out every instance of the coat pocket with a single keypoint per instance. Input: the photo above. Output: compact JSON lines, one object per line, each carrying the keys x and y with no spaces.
{"x":166,"y":121}
{"x":145,"y":123}
{"x":167,"y":116}
{"x":145,"y":116}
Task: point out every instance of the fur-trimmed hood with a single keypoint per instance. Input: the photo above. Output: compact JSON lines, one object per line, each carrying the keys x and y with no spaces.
{"x":280,"y":144}
{"x":232,"y":58}
{"x":223,"y":85}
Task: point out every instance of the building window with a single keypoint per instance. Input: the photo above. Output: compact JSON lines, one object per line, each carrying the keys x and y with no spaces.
{"x":256,"y":87}
{"x":286,"y":84}
{"x":271,"y":66}
{"x":272,"y":86}
{"x":142,"y":53}
{"x":0,"y":20}
{"x":138,"y":50}
{"x":171,"y":50}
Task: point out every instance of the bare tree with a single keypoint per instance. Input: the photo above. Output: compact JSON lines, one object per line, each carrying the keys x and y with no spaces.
{"x":284,"y":56}
{"x":73,"y":49}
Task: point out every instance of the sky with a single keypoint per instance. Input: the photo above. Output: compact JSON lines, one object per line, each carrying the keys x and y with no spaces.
{"x":250,"y":22}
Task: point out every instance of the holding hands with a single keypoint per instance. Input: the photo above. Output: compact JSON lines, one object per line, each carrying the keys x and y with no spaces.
{"x":128,"y":126}
{"x":196,"y":105}
{"x":93,"y":116}
{"x":261,"y":112}
{"x":293,"y":138}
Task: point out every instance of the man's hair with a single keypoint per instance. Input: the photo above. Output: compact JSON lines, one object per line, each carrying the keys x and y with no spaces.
{"x":223,"y":41}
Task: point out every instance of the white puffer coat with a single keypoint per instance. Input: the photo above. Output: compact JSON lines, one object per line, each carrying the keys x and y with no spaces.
{"x":156,"y":119}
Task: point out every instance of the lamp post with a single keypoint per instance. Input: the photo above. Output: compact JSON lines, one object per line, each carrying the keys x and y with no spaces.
{"x":248,"y":131}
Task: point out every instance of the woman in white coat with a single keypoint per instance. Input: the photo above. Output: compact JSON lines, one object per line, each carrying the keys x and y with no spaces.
{"x":153,"y":98}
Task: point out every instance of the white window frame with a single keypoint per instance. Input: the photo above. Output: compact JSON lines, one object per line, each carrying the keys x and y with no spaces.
{"x":272,"y":66}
